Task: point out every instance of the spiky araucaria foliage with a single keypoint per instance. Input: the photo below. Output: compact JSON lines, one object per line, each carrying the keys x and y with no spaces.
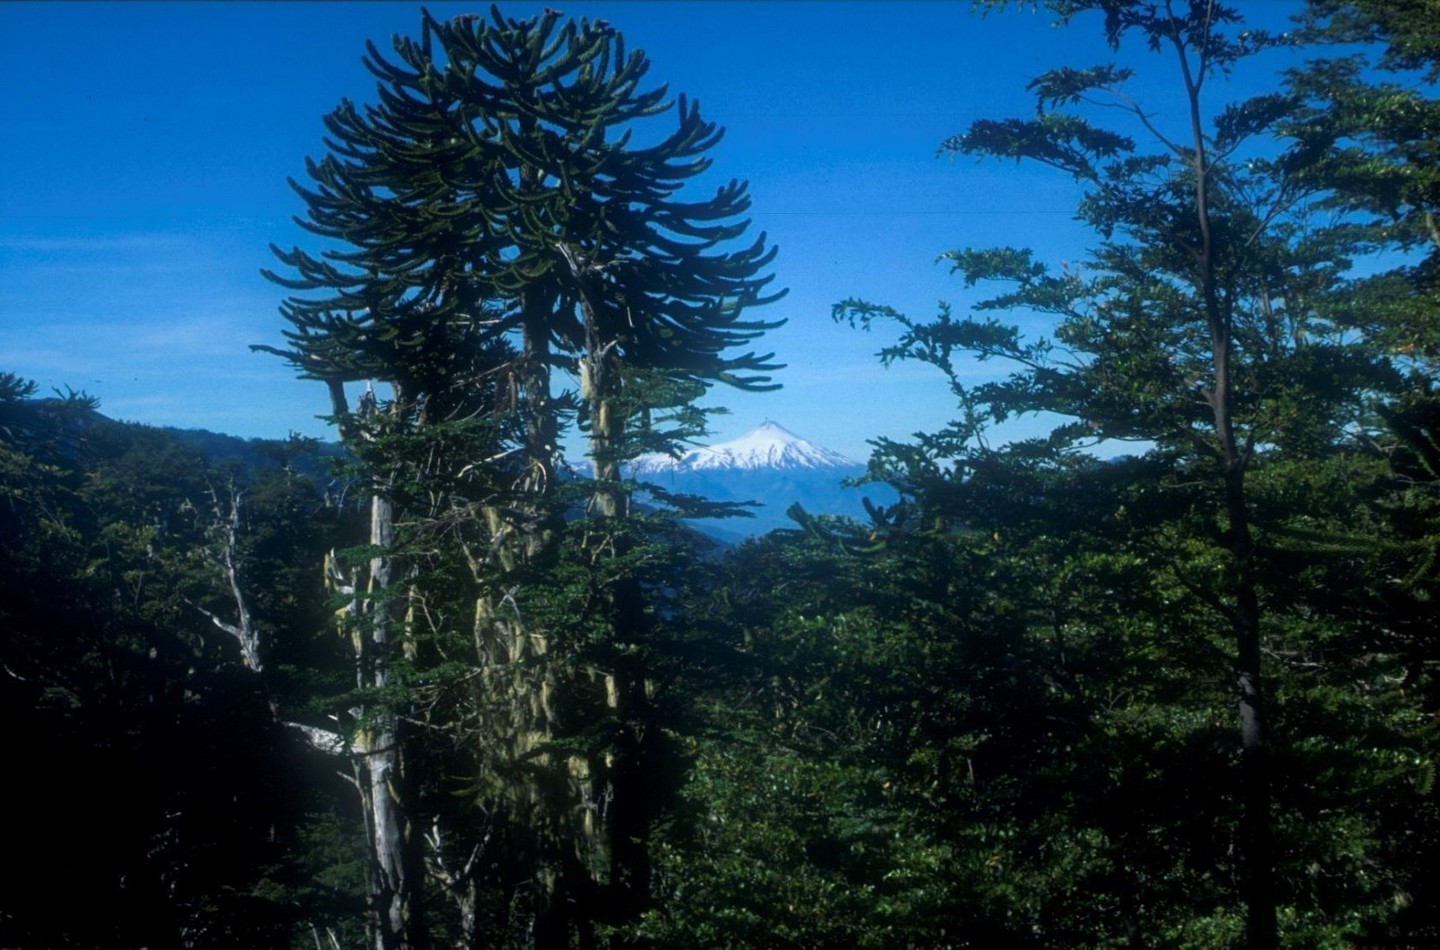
{"x":501,"y":213}
{"x":496,"y":186}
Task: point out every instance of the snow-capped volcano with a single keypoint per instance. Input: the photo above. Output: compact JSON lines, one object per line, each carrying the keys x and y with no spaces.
{"x":768,"y":467}
{"x":770,"y":446}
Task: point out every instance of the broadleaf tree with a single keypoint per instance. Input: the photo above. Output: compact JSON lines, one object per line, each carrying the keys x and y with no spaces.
{"x":1202,"y":328}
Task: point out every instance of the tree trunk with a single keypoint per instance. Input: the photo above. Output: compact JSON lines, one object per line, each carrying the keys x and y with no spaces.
{"x":1256,"y":849}
{"x":380,"y":768}
{"x":618,"y":846}
{"x":375,"y":751}
{"x":1256,"y":837}
{"x":519,"y":696}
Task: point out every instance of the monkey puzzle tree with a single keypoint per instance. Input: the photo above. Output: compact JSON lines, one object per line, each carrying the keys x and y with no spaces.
{"x":498,"y":217}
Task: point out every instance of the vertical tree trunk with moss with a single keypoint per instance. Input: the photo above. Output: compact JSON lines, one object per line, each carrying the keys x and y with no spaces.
{"x":618,"y":834}
{"x":520,"y":696}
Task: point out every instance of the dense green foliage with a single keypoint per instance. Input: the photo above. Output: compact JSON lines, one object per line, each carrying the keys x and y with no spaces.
{"x":144,"y":760}
{"x":1165,"y":676}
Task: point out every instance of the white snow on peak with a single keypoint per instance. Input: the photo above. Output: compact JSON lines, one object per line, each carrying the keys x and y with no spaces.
{"x":768,"y":446}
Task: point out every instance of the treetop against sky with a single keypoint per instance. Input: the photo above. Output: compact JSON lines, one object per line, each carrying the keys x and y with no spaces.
{"x":147,"y":149}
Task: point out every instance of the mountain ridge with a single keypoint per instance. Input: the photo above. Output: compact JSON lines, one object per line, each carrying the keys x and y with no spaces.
{"x":770,"y":464}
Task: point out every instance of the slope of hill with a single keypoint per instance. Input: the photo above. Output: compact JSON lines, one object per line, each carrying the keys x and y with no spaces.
{"x":769,"y":465}
{"x":69,"y":430}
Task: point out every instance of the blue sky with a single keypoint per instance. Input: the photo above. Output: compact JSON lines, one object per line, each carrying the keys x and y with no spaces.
{"x":146,"y":148}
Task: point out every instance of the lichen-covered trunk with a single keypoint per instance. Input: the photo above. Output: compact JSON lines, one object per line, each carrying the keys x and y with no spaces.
{"x":571,"y":813}
{"x":522,"y":720}
{"x":617,"y":844}
{"x":394,"y":887}
{"x":519,"y":696}
{"x":376,"y":748}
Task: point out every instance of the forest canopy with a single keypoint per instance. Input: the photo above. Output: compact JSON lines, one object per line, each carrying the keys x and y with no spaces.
{"x":438,"y":685}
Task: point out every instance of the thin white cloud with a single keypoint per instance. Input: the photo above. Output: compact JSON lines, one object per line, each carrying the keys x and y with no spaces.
{"x":86,"y":244}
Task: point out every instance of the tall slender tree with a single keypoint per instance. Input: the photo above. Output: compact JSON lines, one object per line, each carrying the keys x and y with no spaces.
{"x":1200,"y":324}
{"x":495,"y":223}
